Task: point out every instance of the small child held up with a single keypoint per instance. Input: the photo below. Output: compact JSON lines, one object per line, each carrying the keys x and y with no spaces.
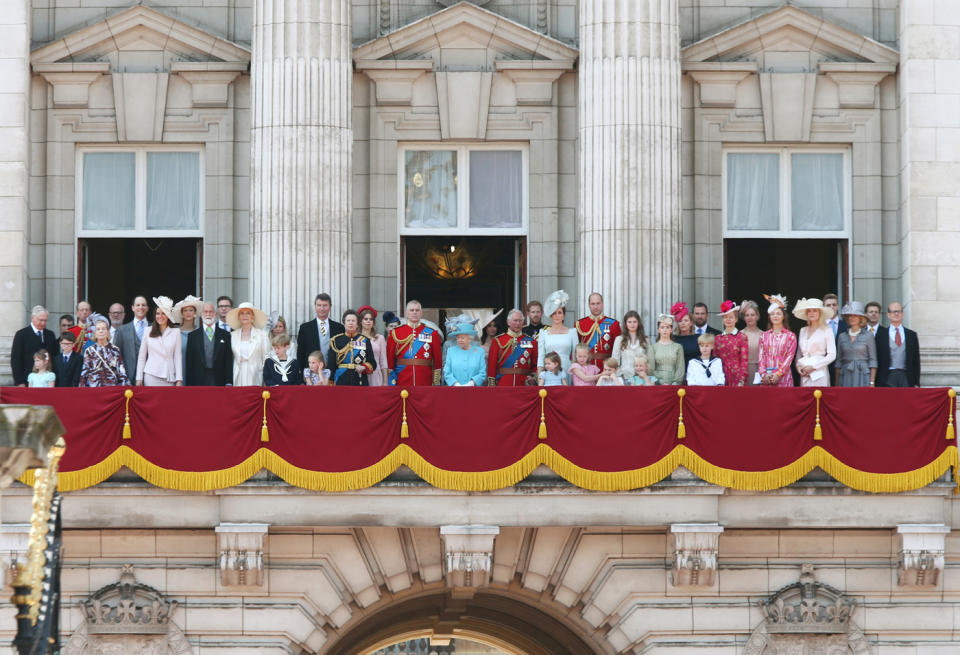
{"x":315,"y":375}
{"x":610,"y":377}
{"x":42,"y":376}
{"x":278,"y":370}
{"x":641,"y":378}
{"x":584,"y":374}
{"x":552,"y":374}
{"x":707,"y":370}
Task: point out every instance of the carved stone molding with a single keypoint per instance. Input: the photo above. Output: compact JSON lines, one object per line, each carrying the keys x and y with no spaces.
{"x":718,"y":80}
{"x":695,"y":562}
{"x":785,"y":119}
{"x":807,"y":618}
{"x":534,"y":79}
{"x":209,"y":81}
{"x":856,"y":82}
{"x":71,"y":81}
{"x":393,"y":79}
{"x":241,"y":553}
{"x":468,"y":553}
{"x":921,"y":554}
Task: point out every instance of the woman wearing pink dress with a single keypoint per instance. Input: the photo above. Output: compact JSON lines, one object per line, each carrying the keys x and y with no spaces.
{"x":368,"y":323}
{"x":778,"y":345}
{"x":817,"y":347}
{"x":732,"y":347}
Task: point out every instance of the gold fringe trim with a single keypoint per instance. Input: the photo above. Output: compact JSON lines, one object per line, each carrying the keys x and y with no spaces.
{"x":507,"y":476}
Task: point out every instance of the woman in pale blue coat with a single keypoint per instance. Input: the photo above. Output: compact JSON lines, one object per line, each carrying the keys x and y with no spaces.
{"x":465,"y":364}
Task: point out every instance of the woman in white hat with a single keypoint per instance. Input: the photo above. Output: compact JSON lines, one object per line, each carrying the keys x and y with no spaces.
{"x":557,"y":337}
{"x":250,"y":344}
{"x":185,"y":313}
{"x":160,"y":362}
{"x":856,"y":349}
{"x":816,"y":347}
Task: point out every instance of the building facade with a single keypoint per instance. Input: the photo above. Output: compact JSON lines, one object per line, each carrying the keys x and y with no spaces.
{"x":481,"y":155}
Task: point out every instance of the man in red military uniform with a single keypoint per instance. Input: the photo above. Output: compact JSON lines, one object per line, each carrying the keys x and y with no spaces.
{"x":512,"y":359}
{"x":414,"y":352}
{"x":598,"y":331}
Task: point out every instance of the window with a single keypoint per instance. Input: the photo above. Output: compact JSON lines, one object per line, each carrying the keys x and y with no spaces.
{"x":137,"y":191}
{"x":786,"y":193}
{"x":433,"y":199}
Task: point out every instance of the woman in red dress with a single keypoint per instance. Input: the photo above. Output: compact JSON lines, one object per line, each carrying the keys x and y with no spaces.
{"x":778,"y":345}
{"x":732,"y":346}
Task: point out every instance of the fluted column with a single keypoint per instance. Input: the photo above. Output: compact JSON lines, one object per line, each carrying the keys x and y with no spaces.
{"x":301,"y":143}
{"x":629,"y":121}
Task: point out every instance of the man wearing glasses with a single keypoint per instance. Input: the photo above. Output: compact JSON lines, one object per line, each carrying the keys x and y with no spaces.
{"x":116,"y":315}
{"x":224,"y":305}
{"x":898,"y":352}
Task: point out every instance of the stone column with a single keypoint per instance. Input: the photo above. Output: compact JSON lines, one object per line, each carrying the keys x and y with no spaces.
{"x":629,"y":173}
{"x":929,"y":231}
{"x":14,"y":173}
{"x":301,"y":151}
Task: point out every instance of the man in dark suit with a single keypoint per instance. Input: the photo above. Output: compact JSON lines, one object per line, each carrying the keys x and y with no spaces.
{"x":898,"y":352}
{"x":209,"y":353}
{"x":29,"y":340}
{"x":701,"y":316}
{"x":67,"y":363}
{"x":315,"y":335}
{"x":129,"y":335}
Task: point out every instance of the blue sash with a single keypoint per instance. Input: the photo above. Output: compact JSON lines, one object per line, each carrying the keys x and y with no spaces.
{"x":411,"y":353}
{"x":598,"y":334}
{"x":517,"y":353}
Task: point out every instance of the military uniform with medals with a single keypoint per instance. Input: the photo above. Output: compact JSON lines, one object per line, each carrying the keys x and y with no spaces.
{"x":414,"y":356}
{"x":599,"y":334}
{"x":512,"y":359}
{"x":351,"y":358}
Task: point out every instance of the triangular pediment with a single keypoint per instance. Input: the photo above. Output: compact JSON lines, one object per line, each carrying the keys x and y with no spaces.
{"x":138,"y":32}
{"x":468,"y":36}
{"x":787,"y":37}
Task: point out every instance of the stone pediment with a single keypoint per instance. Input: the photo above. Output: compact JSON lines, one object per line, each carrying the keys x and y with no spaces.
{"x":138,"y":37}
{"x":788,"y":39}
{"x":465,"y":37}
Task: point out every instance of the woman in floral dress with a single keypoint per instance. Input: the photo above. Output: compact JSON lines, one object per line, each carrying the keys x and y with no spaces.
{"x":732,"y":347}
{"x":778,"y":345}
{"x":102,"y":363}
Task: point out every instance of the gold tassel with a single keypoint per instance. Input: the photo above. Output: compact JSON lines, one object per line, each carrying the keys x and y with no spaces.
{"x":681,"y":428}
{"x":817,"y":430}
{"x":264,"y":433}
{"x":951,"y":431}
{"x":404,"y":430}
{"x":128,"y":394}
{"x":542,"y":434}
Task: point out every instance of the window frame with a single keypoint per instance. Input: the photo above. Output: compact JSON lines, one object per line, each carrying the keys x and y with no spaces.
{"x":785,"y":204}
{"x":140,"y":228}
{"x":463,"y":190}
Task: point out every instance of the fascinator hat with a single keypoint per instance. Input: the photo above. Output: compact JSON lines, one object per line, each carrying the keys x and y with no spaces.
{"x":777,"y":301}
{"x":800,"y":310}
{"x":555,"y":301}
{"x":665,"y":318}
{"x":729,"y":307}
{"x":484,"y":320}
{"x":853,"y":308}
{"x":679,"y":310}
{"x":461,"y":324}
{"x":165,"y":305}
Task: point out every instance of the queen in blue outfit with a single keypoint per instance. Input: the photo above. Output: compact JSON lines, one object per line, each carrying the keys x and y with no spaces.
{"x":465,"y":364}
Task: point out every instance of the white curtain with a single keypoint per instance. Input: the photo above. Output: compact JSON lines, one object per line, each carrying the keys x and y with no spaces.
{"x":816,"y":191}
{"x":753,"y":191}
{"x":430,"y":188}
{"x":496,"y":188}
{"x":173,"y":190}
{"x":109,"y":190}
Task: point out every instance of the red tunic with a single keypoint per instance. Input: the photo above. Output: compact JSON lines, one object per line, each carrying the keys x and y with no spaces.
{"x":81,"y":335}
{"x":599,"y":334}
{"x":733,"y":351}
{"x":512,"y":359}
{"x":413,"y":354}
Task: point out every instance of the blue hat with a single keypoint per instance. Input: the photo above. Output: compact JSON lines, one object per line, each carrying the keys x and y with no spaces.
{"x":389,"y":317}
{"x":463,"y":328}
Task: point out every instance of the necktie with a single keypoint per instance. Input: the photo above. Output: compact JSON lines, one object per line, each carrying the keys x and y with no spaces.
{"x":66,"y":359}
{"x":897,"y":340}
{"x":210,"y":332}
{"x":40,"y":335}
{"x":140,"y":329}
{"x":323,"y":328}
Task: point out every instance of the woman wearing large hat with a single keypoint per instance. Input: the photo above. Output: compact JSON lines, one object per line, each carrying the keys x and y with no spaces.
{"x":778,"y":345}
{"x":250,"y":344}
{"x":464,"y":364}
{"x":186,"y":313}
{"x":816,"y":347}
{"x":856,"y":349}
{"x":557,"y":337}
{"x":160,"y":362}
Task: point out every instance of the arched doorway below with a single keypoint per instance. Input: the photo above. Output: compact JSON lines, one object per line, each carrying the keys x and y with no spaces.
{"x":486,"y":623}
